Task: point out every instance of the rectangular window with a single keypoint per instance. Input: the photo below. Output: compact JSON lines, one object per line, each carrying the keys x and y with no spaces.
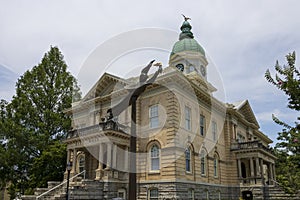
{"x":202,"y":125}
{"x":155,"y":158}
{"x":203,"y":163}
{"x":153,"y":193}
{"x":214,"y":130}
{"x":191,"y":195}
{"x":215,"y":167}
{"x":188,"y":160}
{"x":187,"y":118}
{"x":153,"y":115}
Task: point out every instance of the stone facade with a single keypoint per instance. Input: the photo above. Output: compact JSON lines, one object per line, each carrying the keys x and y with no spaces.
{"x":190,"y":145}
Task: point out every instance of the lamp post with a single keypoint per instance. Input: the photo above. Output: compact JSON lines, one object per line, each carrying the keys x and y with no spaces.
{"x":69,"y":167}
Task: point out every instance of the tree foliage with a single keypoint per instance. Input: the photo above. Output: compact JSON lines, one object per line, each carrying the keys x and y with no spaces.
{"x":33,"y":124}
{"x":287,"y":79}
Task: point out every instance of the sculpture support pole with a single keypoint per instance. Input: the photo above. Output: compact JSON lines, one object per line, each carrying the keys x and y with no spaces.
{"x":132,"y":173}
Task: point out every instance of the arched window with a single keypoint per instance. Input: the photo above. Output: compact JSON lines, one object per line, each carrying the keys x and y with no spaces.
{"x":153,"y":193}
{"x":188,"y":160}
{"x":216,"y":166}
{"x":203,"y":161}
{"x":154,"y":158}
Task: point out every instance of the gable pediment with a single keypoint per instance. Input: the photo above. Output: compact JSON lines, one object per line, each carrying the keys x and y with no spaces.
{"x":244,"y":108}
{"x":105,"y":86}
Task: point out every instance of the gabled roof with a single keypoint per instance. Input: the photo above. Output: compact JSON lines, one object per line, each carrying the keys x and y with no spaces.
{"x":244,"y":108}
{"x":105,"y":86}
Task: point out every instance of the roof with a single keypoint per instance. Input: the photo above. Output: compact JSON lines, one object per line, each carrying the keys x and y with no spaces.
{"x":244,"y":108}
{"x":186,"y":41}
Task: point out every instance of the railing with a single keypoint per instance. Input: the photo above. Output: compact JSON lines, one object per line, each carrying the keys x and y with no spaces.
{"x":83,"y":131}
{"x":251,"y":180}
{"x":250,"y":145}
{"x":64,"y":182}
{"x":102,"y":126}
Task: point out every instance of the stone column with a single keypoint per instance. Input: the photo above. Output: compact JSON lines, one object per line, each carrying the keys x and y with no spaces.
{"x":257,"y":171}
{"x":100,"y":160}
{"x":126,"y":151}
{"x":108,"y":151}
{"x":251,"y":171}
{"x":274,"y":172}
{"x":262,"y":172}
{"x":74,"y":161}
{"x":114,"y":156}
{"x":239,"y":168}
{"x":271,"y":173}
{"x":257,"y":166}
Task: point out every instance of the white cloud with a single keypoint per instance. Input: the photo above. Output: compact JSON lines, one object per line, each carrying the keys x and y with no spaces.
{"x":284,"y":115}
{"x":243,"y":38}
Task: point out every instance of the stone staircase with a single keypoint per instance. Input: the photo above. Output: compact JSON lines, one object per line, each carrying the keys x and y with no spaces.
{"x":79,"y":189}
{"x":272,"y":193}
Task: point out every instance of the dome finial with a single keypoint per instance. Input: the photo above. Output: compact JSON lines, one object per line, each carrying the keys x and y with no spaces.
{"x":186,"y":29}
{"x":185,"y":18}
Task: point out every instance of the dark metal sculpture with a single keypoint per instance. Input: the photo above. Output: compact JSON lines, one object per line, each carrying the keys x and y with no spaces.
{"x":130,"y":100}
{"x":185,"y":18}
{"x":136,"y":90}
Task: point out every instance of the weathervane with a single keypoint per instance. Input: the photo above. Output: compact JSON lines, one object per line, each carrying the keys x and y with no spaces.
{"x":185,"y":18}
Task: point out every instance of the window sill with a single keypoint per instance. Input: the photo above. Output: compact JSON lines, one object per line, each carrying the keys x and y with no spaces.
{"x":154,"y":172}
{"x":190,"y":173}
{"x":203,"y":175}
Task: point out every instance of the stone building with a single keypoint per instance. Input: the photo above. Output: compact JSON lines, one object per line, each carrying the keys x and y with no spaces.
{"x":190,"y":145}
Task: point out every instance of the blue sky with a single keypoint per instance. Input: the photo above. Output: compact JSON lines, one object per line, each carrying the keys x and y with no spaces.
{"x":242,"y":38}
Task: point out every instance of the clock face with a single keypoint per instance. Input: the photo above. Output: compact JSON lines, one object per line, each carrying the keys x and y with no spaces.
{"x":180,"y":67}
{"x":192,"y":68}
{"x":203,"y":71}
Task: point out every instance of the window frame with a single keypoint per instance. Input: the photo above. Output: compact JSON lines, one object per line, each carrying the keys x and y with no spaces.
{"x":188,"y":118}
{"x":149,"y":193}
{"x":214,"y":130}
{"x":188,"y":160}
{"x":156,"y":158}
{"x":154,"y":119}
{"x":202,"y":125}
{"x":203,"y":162}
{"x":216,"y":166}
{"x":191,"y":194}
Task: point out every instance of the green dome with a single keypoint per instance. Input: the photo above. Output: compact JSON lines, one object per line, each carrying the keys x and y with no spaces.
{"x":187,"y":44}
{"x":186,"y":41}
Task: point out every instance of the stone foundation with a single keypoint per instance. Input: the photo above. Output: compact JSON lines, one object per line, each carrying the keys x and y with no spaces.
{"x":180,"y":191}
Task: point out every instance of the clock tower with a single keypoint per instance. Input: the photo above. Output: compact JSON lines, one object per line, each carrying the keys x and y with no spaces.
{"x":187,"y":55}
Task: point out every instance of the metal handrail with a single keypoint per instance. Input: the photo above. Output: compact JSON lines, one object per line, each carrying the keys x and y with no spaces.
{"x":64,"y":182}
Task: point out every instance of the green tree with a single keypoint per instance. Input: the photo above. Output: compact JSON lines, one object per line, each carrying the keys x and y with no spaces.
{"x":35,"y":124}
{"x":287,"y":79}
